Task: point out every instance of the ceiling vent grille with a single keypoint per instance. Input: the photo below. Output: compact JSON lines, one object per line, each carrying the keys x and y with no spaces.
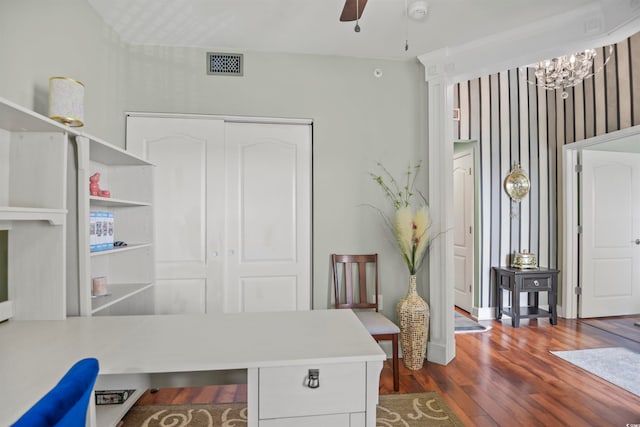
{"x":225,"y":64}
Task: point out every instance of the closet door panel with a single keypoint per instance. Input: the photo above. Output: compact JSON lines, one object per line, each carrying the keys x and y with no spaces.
{"x":189,"y":208}
{"x":180,"y":199}
{"x":268,"y":205}
{"x":232,"y":212}
{"x":269,"y":293}
{"x":268,"y":213}
{"x":185,"y":296}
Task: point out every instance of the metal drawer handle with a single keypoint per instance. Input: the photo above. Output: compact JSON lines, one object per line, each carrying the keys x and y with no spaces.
{"x":313,"y":379}
{"x":535,"y":283}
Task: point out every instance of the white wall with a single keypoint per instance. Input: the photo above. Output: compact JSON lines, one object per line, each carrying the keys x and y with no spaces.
{"x":41,"y":39}
{"x":358,"y":119}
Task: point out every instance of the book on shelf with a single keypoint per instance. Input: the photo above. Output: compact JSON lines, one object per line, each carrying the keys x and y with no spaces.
{"x":101,"y":231}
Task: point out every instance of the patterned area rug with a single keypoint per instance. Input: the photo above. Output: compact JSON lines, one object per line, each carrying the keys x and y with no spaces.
{"x":464,"y":325}
{"x":616,"y":364}
{"x":396,"y":410}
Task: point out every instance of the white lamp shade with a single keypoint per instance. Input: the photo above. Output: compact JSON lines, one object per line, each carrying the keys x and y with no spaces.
{"x":66,"y":101}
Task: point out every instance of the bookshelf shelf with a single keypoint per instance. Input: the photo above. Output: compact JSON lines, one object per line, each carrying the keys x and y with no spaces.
{"x":117,"y":293}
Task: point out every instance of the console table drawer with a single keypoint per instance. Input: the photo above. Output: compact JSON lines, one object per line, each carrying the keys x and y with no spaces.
{"x":284,"y":391}
{"x":536,"y":283}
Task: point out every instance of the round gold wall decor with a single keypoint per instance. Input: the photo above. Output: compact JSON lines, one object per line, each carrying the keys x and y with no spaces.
{"x":517,"y":184}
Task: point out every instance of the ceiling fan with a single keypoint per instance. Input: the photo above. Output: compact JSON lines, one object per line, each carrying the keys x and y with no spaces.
{"x":352,"y":10}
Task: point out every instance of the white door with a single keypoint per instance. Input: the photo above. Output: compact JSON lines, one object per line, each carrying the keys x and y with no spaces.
{"x":200,"y":177}
{"x":463,"y":204}
{"x":269,"y":207}
{"x":611,"y":225}
{"x":189,"y":178}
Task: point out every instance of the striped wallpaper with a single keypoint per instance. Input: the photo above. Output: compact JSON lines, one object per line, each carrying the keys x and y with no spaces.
{"x":515,"y":121}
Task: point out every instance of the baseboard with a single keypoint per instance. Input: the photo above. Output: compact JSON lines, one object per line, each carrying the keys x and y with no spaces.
{"x":437,"y":353}
{"x":562,"y":313}
{"x":484,"y":313}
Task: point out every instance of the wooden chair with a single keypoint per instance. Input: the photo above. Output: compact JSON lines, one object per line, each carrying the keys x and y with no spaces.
{"x":351,"y":288}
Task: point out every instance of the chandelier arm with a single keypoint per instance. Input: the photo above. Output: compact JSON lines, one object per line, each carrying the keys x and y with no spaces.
{"x":565,"y":71}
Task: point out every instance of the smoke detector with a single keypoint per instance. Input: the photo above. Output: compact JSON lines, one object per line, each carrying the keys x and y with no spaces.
{"x":418,"y":10}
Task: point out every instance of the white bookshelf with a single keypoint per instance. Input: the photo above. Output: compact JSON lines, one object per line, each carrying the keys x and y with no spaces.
{"x":33,"y":208}
{"x":43,"y":195}
{"x":117,"y":264}
{"x":128,"y":269}
{"x":108,"y":202}
{"x":52,"y":216}
{"x":15,"y":118}
{"x":45,"y":206}
{"x":117,"y":293}
{"x":129,"y":247}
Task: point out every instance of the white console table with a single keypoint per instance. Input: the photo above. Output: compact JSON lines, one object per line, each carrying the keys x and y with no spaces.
{"x":276,"y":349}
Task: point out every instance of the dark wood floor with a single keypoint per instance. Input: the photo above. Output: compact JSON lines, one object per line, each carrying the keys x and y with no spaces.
{"x":624,"y":326}
{"x":502,"y":377}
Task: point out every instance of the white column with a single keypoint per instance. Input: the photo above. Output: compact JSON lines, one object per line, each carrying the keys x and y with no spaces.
{"x":441,"y":347}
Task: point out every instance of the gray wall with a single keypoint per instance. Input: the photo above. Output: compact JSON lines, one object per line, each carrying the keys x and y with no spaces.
{"x":358,"y":119}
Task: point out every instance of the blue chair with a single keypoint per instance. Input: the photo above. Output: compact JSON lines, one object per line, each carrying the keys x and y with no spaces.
{"x":66,"y":404}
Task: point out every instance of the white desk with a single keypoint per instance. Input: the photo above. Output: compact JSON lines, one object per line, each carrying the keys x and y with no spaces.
{"x":277,"y":349}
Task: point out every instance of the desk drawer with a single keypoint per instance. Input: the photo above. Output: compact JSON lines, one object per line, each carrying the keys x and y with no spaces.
{"x":536,"y":283}
{"x":284,"y":392}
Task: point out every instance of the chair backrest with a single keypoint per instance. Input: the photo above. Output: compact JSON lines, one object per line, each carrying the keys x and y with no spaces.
{"x":65,"y":405}
{"x":354,"y":277}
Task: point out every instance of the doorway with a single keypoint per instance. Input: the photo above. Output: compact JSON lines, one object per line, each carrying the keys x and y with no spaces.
{"x":603,"y":226}
{"x":610,"y":254}
{"x":464,"y":236}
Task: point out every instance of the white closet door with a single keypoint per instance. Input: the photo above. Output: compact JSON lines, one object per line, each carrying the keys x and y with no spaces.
{"x":611,"y":234}
{"x":189,"y":192}
{"x":269,"y":211}
{"x":233,"y":213}
{"x":463,"y":205}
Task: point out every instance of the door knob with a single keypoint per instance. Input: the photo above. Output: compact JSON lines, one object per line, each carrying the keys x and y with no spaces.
{"x":637,"y":241}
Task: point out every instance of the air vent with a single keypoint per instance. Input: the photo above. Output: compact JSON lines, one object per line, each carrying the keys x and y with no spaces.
{"x":224,"y":64}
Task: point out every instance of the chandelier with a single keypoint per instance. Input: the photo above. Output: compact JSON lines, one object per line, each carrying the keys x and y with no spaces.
{"x":566,"y":71}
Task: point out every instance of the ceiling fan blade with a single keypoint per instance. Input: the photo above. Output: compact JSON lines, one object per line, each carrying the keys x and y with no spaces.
{"x":349,"y":10}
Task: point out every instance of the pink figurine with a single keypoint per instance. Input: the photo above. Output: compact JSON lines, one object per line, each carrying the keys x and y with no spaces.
{"x":94,"y":187}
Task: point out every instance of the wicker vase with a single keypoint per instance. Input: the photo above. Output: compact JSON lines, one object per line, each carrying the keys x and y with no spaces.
{"x":413,"y":316}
